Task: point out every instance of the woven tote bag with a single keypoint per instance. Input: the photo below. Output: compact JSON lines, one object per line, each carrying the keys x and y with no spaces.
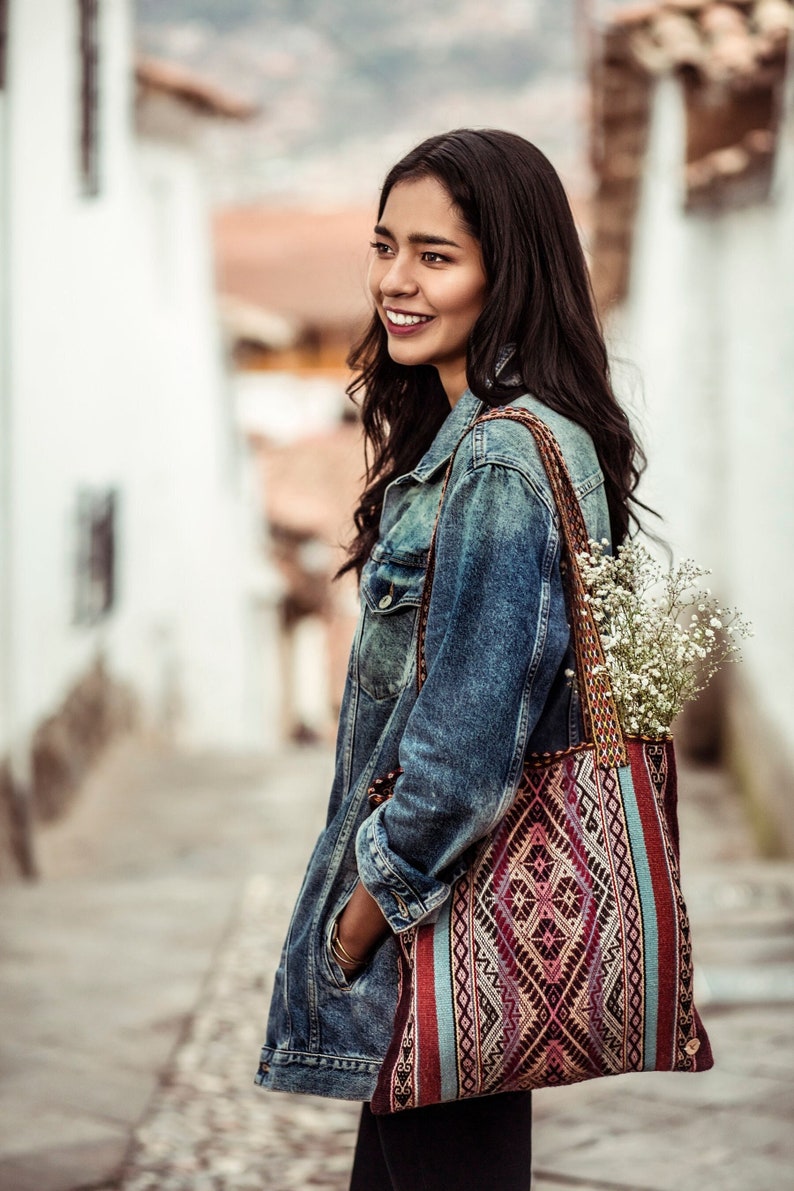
{"x":564,"y":952}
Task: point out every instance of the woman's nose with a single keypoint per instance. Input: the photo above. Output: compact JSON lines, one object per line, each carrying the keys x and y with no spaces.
{"x":398,"y":279}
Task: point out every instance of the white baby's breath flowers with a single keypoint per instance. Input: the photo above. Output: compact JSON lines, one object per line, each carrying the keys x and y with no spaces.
{"x":664,"y":636}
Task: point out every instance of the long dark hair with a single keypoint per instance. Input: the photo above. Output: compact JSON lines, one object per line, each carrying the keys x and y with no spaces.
{"x":539,"y":300}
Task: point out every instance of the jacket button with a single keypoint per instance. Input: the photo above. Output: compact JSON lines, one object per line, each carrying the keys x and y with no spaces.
{"x":692,"y":1046}
{"x":384,"y":601}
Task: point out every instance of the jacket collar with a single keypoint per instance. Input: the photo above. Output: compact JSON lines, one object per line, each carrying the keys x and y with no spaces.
{"x":464,"y":412}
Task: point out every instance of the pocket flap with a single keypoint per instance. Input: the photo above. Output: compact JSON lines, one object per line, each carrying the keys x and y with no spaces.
{"x":388,"y":585}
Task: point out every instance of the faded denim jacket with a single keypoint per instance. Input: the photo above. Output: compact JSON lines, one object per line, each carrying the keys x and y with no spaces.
{"x":497,"y":648}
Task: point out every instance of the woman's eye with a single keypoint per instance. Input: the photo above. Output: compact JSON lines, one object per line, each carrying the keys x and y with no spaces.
{"x":381,"y":249}
{"x":434,"y":258}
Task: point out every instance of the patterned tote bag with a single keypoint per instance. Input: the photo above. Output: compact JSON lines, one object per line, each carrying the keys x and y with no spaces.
{"x":563,"y":953}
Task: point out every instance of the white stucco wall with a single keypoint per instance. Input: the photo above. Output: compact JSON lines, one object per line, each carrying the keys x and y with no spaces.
{"x":116,"y":379}
{"x":4,"y":427}
{"x":217,"y":637}
{"x":709,"y":324}
{"x":756,"y":306}
{"x":284,"y":406}
{"x":663,"y":342}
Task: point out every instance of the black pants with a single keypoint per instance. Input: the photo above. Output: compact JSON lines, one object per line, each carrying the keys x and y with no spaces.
{"x":467,"y":1145}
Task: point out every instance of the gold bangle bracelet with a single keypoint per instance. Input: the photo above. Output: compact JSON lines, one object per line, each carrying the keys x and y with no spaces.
{"x":344,"y":963}
{"x":340,"y":951}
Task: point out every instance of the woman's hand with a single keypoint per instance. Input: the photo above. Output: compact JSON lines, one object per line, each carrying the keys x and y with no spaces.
{"x":359,"y":929}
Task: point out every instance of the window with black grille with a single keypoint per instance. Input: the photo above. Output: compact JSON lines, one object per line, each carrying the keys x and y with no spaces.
{"x":88,"y":14}
{"x":95,"y":592}
{"x":3,"y":41}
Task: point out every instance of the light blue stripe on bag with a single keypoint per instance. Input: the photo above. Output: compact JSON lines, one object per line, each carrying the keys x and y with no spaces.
{"x":650,"y":930}
{"x":447,"y":1050}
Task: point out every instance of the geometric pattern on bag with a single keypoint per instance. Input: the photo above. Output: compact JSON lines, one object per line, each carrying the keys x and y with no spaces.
{"x":564,"y":952}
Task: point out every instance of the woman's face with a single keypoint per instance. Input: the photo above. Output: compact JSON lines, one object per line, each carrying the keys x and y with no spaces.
{"x":427,"y":280}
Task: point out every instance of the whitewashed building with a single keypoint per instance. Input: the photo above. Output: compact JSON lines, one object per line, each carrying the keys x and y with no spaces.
{"x":131,"y":574}
{"x":693,"y":246}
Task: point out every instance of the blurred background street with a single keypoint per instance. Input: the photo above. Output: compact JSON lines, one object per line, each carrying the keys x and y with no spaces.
{"x":186,"y":198}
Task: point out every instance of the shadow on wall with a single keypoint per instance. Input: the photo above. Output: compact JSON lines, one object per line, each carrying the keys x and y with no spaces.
{"x":64,"y":747}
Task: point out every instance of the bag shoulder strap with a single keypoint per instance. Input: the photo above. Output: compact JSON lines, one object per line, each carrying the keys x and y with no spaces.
{"x":599,"y":710}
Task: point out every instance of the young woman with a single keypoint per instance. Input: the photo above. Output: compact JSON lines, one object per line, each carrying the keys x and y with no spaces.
{"x":481,"y":298}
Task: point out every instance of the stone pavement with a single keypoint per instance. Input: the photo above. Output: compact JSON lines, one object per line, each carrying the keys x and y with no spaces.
{"x":103,"y":961}
{"x":172,"y":869}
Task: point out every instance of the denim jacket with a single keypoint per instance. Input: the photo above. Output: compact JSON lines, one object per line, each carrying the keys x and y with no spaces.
{"x":497,"y":650}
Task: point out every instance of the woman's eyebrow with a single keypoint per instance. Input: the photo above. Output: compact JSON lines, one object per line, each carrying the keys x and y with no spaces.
{"x":416,"y":237}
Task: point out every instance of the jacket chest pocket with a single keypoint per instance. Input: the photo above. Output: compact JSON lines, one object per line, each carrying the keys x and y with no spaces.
{"x":392,"y":593}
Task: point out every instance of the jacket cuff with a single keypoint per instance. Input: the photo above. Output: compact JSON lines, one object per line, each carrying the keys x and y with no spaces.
{"x":406,"y":896}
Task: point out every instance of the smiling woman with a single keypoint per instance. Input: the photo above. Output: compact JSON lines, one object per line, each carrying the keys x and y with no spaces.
{"x":429,"y":286}
{"x":460,"y":665}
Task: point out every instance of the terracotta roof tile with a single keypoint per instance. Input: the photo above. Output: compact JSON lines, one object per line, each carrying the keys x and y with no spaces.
{"x":774,"y":19}
{"x":635,"y":14}
{"x":732,"y":58}
{"x":691,"y":6}
{"x":307,"y":266}
{"x":171,"y":78}
{"x":310,"y":487}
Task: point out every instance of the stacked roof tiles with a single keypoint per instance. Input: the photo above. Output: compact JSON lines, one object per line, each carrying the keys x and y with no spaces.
{"x":156,"y":76}
{"x":731,"y":59}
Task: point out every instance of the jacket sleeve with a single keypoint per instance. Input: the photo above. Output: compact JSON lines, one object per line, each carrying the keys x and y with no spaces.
{"x":496,"y":636}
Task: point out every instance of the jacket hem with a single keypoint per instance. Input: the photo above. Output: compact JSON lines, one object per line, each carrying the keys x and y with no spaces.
{"x":334,"y":1076}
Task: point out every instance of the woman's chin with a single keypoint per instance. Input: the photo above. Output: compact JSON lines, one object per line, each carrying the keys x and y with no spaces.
{"x":401,"y":353}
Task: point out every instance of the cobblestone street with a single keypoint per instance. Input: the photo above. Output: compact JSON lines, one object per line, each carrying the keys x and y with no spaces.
{"x":236,"y":837}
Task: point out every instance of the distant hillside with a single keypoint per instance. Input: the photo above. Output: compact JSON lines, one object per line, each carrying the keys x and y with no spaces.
{"x":347,"y":85}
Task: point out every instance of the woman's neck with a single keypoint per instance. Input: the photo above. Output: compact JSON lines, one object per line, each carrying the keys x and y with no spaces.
{"x":454,"y":383}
